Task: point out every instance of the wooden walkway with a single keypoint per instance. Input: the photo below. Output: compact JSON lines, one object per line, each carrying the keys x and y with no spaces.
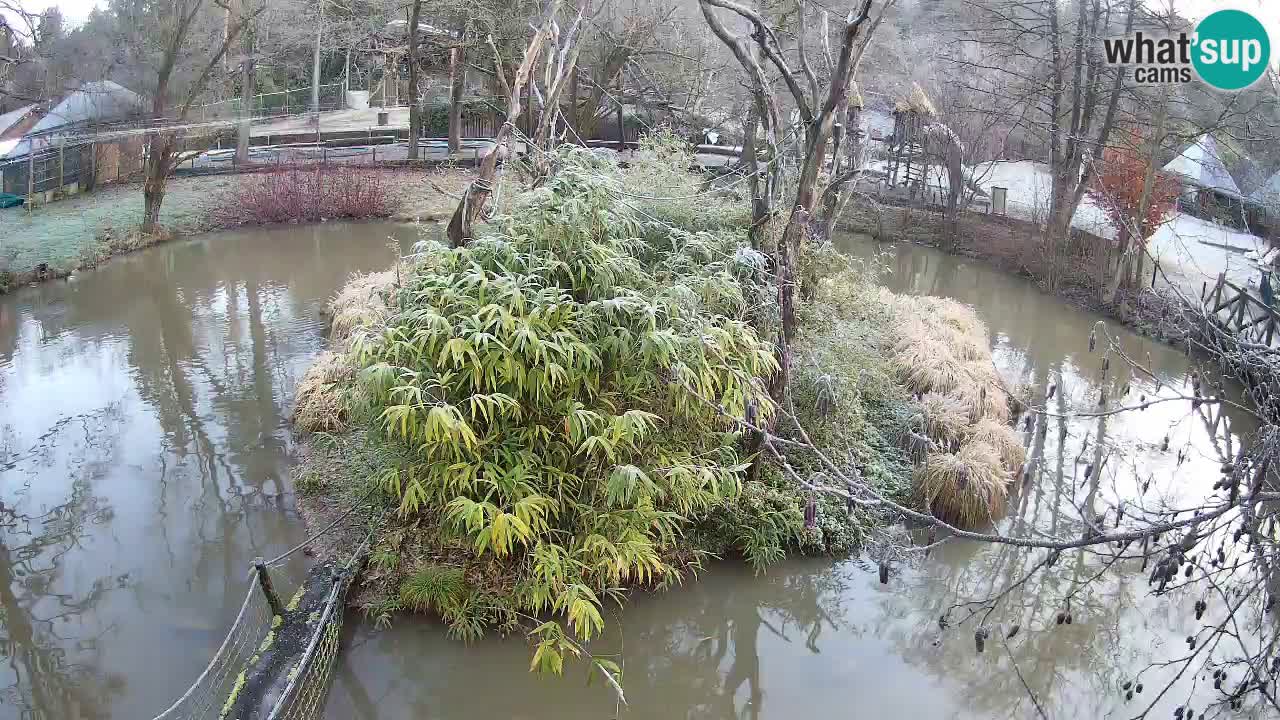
{"x":1244,"y":314}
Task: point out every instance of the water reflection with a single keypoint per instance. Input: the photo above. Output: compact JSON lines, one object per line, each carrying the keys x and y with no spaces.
{"x":144,"y":455}
{"x":826,"y":639}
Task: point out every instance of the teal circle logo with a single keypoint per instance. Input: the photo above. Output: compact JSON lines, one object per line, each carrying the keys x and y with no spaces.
{"x":1231,"y":50}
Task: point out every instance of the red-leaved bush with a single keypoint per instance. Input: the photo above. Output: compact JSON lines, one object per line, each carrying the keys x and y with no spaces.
{"x":1119,"y":185}
{"x":308,"y":193}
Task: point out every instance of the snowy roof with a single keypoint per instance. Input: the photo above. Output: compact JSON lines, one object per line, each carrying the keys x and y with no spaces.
{"x":11,"y":118}
{"x":1269,"y":193}
{"x":402,"y":26}
{"x":1201,"y":163}
{"x":95,"y":101}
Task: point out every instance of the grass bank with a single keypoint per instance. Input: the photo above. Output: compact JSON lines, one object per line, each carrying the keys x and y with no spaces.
{"x":550,"y":416}
{"x":59,"y":238}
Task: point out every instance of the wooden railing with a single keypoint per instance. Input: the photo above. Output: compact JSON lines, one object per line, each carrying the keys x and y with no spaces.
{"x":1239,"y":311}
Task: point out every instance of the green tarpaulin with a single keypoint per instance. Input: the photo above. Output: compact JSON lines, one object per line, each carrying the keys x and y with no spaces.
{"x":8,"y":201}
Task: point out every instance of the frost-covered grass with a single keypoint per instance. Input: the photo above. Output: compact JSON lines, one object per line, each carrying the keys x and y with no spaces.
{"x":63,"y":233}
{"x":84,"y":230}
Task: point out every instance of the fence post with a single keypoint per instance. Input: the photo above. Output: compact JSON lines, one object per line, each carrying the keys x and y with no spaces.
{"x":264,"y":581}
{"x":62,"y":164}
{"x":31,"y":176}
{"x":622,"y":125}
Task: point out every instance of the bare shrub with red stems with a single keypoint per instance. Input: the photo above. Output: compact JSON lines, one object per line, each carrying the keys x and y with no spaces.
{"x":308,"y":193}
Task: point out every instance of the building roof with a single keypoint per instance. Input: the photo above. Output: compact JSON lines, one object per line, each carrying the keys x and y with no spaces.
{"x":94,"y":101}
{"x":1200,"y":163}
{"x":103,"y":101}
{"x":13,"y":117}
{"x":1269,"y":192}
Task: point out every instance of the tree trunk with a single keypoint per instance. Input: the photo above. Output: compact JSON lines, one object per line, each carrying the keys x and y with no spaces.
{"x":457,"y":81}
{"x":831,"y":196}
{"x":850,"y":162}
{"x":756,"y":183}
{"x":248,"y":87}
{"x":477,"y":193}
{"x":1148,"y":185}
{"x":415,"y":102}
{"x":315,"y":64}
{"x":573,"y":103}
{"x":1056,"y":160}
{"x":1132,"y":241}
{"x":157,"y":177}
{"x":622,"y":122}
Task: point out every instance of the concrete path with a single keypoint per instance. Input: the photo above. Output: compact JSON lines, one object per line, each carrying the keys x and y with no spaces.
{"x":334,"y":121}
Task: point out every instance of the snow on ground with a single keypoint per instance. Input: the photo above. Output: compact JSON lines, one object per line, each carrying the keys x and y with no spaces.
{"x":1192,"y":251}
{"x":1029,"y":184}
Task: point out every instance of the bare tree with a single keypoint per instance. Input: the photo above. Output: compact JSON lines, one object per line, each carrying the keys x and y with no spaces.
{"x":476,"y":196}
{"x":618,"y":37}
{"x":193,"y":38}
{"x":415,"y":67}
{"x":457,"y":84}
{"x":1053,"y":66}
{"x":248,"y":79}
{"x":561,"y":65}
{"x":818,"y":109}
{"x":21,"y":40}
{"x":846,"y":166}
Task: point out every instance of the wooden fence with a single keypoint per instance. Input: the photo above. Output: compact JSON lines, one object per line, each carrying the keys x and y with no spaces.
{"x":1235,"y":308}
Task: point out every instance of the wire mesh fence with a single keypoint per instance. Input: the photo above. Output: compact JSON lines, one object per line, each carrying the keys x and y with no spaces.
{"x":284,"y":102}
{"x":304,"y":697}
{"x":61,"y":169}
{"x":208,"y":694}
{"x":224,"y":684}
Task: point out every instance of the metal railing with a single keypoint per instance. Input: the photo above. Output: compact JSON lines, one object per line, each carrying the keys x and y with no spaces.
{"x":276,"y":104}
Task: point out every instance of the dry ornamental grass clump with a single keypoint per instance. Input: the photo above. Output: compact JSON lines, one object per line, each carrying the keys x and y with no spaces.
{"x":968,"y":487}
{"x":946,"y":420}
{"x":939,"y":350}
{"x":320,"y":406}
{"x":1003,"y":438}
{"x":361,"y":303}
{"x":323,"y":392}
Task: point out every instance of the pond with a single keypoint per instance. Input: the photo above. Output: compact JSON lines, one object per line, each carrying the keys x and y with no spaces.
{"x":144,"y":457}
{"x":144,"y":454}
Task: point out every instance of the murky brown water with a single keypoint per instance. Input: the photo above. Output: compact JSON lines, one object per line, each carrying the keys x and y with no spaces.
{"x":144,"y":456}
